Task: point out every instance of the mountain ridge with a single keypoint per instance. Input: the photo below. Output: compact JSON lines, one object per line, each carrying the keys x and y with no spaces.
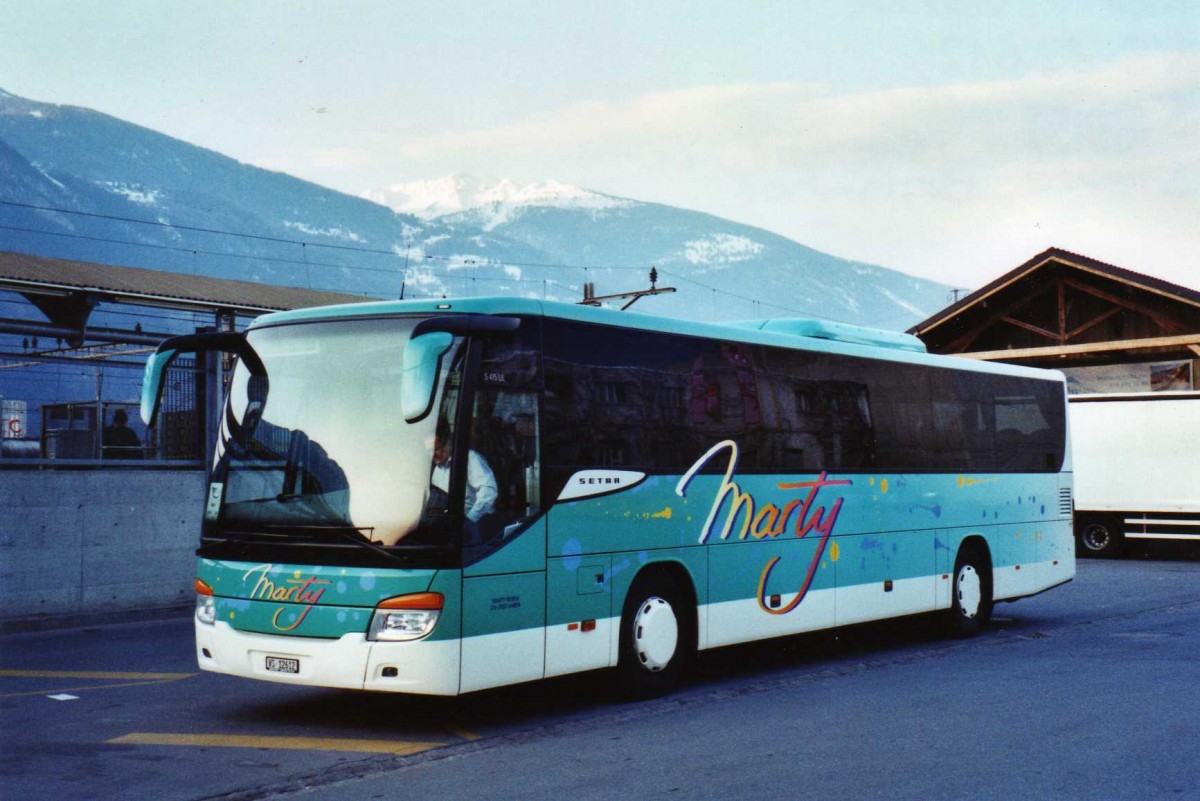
{"x":537,"y":240}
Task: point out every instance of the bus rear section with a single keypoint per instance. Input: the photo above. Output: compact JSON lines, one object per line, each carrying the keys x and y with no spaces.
{"x":1136,"y":465}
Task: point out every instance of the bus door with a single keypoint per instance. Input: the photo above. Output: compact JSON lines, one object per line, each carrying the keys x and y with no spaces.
{"x":503,"y":531}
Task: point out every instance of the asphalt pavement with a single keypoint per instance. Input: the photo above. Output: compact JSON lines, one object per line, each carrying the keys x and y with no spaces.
{"x":1090,"y":691}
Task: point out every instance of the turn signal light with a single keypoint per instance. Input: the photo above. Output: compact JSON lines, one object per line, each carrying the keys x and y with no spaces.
{"x":418,"y":600}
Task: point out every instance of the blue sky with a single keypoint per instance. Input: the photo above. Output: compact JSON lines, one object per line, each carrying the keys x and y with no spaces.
{"x":952,"y":140}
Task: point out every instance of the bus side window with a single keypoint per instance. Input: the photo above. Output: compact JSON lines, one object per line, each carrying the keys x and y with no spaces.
{"x":505,"y":429}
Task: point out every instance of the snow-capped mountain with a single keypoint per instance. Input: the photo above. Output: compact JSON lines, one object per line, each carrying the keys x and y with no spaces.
{"x":495,"y":199}
{"x":78,"y":184}
{"x":550,"y":218}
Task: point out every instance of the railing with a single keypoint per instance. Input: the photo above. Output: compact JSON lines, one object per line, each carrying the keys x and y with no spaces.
{"x":107,"y":433}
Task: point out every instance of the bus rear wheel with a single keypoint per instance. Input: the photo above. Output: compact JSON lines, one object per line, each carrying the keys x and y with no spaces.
{"x":655,"y":637}
{"x":1099,"y":535}
{"x":971,"y":594}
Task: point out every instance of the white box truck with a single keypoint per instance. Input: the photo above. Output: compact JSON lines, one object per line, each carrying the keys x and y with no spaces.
{"x":1137,"y":468}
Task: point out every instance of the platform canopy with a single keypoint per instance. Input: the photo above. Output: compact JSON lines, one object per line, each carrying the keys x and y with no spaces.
{"x":67,"y":291}
{"x":36,"y":275}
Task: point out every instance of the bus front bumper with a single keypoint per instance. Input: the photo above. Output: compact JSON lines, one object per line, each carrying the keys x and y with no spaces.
{"x":424,"y":667}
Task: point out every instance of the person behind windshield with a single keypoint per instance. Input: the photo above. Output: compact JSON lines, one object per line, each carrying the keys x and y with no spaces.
{"x":482,"y":523}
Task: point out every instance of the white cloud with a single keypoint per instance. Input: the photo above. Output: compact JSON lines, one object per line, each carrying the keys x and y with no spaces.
{"x":722,"y":122}
{"x":314,"y":161}
{"x":934,"y":179}
{"x":796,"y":124}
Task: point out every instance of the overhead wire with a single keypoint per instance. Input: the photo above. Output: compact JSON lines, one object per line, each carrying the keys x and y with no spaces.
{"x":304,"y":244}
{"x":284,"y":241}
{"x":451,"y":260}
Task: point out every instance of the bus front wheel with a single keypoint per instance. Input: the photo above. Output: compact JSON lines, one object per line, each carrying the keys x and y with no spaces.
{"x":655,"y":637}
{"x":971,"y":601}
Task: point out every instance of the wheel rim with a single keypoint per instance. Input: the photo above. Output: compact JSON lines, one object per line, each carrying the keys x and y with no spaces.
{"x":969,"y":588}
{"x":1095,"y":537}
{"x":655,"y":633}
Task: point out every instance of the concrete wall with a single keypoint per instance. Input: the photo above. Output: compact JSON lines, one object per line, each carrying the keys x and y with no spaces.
{"x":94,"y":542}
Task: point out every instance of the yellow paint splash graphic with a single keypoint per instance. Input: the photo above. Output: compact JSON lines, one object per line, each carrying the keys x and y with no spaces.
{"x":967,"y":481}
{"x":883,"y":485}
{"x":665,"y":514}
{"x":834,"y":552}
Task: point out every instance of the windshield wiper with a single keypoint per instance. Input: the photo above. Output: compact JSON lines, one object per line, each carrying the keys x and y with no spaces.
{"x":358,"y":535}
{"x":355,"y":535}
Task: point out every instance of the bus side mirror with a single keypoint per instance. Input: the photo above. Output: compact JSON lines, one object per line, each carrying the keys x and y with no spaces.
{"x":418,"y":380}
{"x":156,"y":366}
{"x":152,"y":383}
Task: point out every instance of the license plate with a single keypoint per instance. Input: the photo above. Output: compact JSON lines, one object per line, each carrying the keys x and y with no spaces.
{"x":280,"y":664}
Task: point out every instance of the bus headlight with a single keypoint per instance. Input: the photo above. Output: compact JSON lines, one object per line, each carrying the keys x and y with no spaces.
{"x":406,"y":617}
{"x":206,"y":606}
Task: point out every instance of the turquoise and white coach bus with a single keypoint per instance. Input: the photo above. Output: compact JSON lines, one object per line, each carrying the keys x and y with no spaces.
{"x":439,"y":497}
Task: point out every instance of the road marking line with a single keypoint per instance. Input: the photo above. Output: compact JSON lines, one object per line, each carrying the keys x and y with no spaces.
{"x":400,"y":748}
{"x":95,"y":674}
{"x":86,"y":687}
{"x":462,"y":733}
{"x":63,"y":697}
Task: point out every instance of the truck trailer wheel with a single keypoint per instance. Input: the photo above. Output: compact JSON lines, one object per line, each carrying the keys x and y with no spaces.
{"x":1099,"y":535}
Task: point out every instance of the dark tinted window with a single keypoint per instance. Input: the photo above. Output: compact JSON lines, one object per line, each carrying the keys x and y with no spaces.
{"x":505,"y":425}
{"x":657,"y":402}
{"x":620,"y":398}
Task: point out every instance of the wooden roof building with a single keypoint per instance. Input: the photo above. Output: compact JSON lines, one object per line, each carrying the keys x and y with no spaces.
{"x":1061,"y":309}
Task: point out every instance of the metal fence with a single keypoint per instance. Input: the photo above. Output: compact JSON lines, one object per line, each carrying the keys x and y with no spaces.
{"x":111,"y":431}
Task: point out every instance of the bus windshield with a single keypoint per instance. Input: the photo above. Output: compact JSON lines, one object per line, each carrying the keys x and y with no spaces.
{"x":320,"y":442}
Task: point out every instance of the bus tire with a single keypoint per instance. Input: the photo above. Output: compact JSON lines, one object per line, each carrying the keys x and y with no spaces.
{"x":655,"y":637}
{"x":971,"y":592}
{"x":1099,"y":535}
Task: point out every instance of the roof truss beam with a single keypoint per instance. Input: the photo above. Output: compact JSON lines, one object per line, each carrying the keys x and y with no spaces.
{"x":967,"y":339}
{"x":1053,"y":336}
{"x":1188,"y":341}
{"x":1169,"y":325}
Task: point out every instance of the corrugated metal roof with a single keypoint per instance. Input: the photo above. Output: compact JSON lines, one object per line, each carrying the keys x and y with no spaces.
{"x":33,"y":274}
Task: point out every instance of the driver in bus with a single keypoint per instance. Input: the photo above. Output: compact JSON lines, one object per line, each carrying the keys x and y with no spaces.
{"x":482,"y":523}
